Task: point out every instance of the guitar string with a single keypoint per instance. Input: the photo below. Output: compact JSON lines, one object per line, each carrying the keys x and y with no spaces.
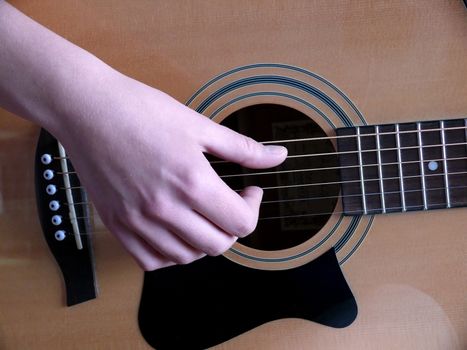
{"x":334,"y":153}
{"x":324,"y":183}
{"x":370,"y":211}
{"x":335,"y":168}
{"x":313,"y":169}
{"x":333,"y":197}
{"x":325,"y":197}
{"x":341,"y":137}
{"x":363,"y":135}
{"x":354,"y":181}
{"x":354,"y":212}
{"x":308,"y":155}
{"x":331,"y":168}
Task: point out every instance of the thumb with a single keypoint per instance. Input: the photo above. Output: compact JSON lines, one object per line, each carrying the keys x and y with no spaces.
{"x":227,"y":144}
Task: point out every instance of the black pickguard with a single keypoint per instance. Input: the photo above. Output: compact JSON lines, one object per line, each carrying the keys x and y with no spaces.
{"x":205,"y":303}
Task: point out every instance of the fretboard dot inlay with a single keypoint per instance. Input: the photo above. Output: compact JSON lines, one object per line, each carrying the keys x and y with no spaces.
{"x":433,"y":166}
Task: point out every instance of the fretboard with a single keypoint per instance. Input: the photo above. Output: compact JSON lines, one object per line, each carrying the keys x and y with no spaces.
{"x":403,"y":167}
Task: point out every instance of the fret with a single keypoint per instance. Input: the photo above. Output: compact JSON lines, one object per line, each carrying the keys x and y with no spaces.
{"x":445,"y":164}
{"x":434,"y":165}
{"x":380,"y":169}
{"x":401,"y":172}
{"x":370,"y":170}
{"x":456,"y":158}
{"x":389,"y":169}
{"x":362,"y":177}
{"x":410,"y":159}
{"x":422,"y":166}
{"x":351,"y":192}
{"x":403,"y":167}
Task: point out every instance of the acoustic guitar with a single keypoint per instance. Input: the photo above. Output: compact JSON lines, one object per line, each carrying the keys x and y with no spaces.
{"x":350,"y":251}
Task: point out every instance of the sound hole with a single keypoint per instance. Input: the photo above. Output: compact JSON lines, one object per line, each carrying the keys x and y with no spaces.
{"x":299,"y":195}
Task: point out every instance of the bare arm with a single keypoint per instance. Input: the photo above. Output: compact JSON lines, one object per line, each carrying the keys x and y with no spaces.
{"x":138,"y":152}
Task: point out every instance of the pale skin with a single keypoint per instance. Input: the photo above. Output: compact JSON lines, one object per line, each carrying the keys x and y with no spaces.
{"x":138,"y":152}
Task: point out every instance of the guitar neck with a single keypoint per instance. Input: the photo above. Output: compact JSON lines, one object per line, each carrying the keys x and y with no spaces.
{"x":403,"y":167}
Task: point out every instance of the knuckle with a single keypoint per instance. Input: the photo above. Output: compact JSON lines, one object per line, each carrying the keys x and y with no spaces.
{"x":184,"y":259}
{"x":193,"y":184}
{"x":128,"y":216}
{"x":156,"y":207}
{"x":250,"y":148}
{"x":215,"y":250}
{"x":218,"y":249}
{"x":246,"y":226}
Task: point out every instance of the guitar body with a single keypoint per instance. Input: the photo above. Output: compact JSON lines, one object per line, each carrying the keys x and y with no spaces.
{"x":397,"y":61}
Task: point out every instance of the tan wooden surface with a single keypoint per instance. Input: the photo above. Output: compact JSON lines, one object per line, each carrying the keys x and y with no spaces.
{"x":397,"y":61}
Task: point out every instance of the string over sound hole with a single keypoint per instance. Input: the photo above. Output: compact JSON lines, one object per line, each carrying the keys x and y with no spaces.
{"x":300,"y":194}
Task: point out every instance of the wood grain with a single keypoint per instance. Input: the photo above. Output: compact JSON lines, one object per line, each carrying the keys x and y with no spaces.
{"x":398,"y":61}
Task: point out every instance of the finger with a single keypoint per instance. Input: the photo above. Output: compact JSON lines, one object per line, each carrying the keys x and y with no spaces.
{"x":166,"y":242}
{"x":227,"y":144}
{"x":253,"y":196}
{"x":218,"y":203}
{"x":200,"y":233}
{"x":146,"y":257}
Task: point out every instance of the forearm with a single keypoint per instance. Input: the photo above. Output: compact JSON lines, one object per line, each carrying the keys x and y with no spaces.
{"x":43,"y":77}
{"x":138,"y":152}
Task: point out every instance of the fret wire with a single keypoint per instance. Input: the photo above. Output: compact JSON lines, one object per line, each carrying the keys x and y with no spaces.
{"x":360,"y":162}
{"x":422,"y":166}
{"x":318,"y":183}
{"x":445,"y":166}
{"x":380,"y":170}
{"x":401,"y":171}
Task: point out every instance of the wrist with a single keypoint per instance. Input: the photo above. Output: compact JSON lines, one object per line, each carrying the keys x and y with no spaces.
{"x":45,"y":78}
{"x":77,"y":94}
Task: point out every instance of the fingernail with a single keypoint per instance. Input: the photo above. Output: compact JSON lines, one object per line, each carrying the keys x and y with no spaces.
{"x":276,"y":149}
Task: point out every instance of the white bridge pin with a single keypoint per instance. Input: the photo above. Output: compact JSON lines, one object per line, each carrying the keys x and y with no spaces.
{"x":54,"y":205}
{"x":51,"y":189}
{"x":46,"y":159}
{"x":60,"y":235}
{"x":56,"y":220}
{"x":48,"y":174}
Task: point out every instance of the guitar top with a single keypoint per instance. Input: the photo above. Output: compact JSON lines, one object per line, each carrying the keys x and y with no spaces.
{"x":370,"y":99}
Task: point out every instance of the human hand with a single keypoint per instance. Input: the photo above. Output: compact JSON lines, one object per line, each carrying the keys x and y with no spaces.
{"x":139,"y":154}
